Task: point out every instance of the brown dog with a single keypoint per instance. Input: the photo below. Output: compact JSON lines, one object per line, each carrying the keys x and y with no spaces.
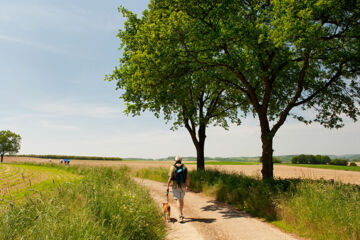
{"x":166,"y":207}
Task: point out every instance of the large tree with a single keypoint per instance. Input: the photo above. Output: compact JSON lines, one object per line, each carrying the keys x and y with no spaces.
{"x":176,"y":90}
{"x":284,"y":56}
{"x":9,"y":143}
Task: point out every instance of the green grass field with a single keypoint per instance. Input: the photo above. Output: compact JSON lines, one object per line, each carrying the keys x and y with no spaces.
{"x":76,"y":203}
{"x":334,"y":167}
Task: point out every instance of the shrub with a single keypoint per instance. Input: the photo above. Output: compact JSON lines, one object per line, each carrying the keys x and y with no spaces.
{"x":341,"y":162}
{"x":352,"y":164}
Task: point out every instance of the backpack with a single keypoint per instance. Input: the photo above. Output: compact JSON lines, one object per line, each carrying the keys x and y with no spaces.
{"x":180,"y":174}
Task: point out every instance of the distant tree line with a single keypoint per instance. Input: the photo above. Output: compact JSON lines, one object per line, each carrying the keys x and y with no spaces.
{"x":310,"y":159}
{"x":317,"y":159}
{"x":71,"y":157}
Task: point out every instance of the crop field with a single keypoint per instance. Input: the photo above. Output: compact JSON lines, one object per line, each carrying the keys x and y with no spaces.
{"x":36,"y":201}
{"x":19,"y":180}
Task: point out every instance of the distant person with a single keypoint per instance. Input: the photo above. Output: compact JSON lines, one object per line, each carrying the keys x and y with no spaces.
{"x":178,"y":174}
{"x":61,"y":161}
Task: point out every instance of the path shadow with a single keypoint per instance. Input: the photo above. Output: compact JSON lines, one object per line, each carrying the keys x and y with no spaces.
{"x":225,"y":210}
{"x":202,"y":220}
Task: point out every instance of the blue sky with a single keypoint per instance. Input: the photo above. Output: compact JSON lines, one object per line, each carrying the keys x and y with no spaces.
{"x":54,"y":56}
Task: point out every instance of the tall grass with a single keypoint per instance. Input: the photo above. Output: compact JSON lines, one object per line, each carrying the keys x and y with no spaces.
{"x":312,"y":208}
{"x":105,"y":204}
{"x":245,"y":193}
{"x":323,"y":210}
{"x":159,"y":174}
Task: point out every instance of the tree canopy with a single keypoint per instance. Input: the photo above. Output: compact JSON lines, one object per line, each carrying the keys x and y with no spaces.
{"x":9,"y":143}
{"x":162,"y":82}
{"x":284,"y":57}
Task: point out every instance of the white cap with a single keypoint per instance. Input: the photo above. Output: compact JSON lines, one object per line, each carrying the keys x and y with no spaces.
{"x":178,"y":159}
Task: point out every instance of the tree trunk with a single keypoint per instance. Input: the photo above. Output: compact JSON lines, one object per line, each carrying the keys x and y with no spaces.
{"x":267,"y":147}
{"x":200,"y":149}
{"x":2,"y":157}
{"x":267,"y":156}
{"x":200,"y":163}
{"x":199,"y":144}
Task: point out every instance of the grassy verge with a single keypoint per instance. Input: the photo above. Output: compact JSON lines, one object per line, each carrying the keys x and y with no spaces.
{"x":309,"y":208}
{"x":334,"y":167}
{"x":104,"y":204}
{"x":322,"y":210}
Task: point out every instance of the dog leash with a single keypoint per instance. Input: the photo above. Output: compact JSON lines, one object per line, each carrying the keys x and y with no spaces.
{"x":167,"y":195}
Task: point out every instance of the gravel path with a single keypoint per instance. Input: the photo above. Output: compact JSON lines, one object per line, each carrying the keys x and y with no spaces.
{"x":206,"y":218}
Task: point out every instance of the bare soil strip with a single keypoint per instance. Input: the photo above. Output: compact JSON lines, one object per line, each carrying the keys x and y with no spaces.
{"x":206,"y":218}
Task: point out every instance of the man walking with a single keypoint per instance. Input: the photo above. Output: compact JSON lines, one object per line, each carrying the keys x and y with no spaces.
{"x":179,"y":176}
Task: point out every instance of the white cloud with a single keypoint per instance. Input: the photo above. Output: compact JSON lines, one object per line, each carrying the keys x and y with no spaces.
{"x":65,"y":16}
{"x":77,"y":109}
{"x":56,"y":126}
{"x":34,"y":44}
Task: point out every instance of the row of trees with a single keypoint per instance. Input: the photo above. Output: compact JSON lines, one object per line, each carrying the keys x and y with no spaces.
{"x":319,"y":159}
{"x":9,"y":143}
{"x":201,"y":63}
{"x":310,"y":159}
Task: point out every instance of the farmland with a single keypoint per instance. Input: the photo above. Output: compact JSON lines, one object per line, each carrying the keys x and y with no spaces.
{"x":19,"y":180}
{"x":87,"y":189}
{"x":280,"y":170}
{"x":62,"y":202}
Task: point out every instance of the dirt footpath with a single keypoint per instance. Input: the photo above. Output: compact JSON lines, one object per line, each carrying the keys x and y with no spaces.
{"x":206,"y":218}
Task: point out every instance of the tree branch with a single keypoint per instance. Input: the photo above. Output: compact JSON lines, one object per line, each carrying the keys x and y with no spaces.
{"x":297,"y":94}
{"x":317,"y":92}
